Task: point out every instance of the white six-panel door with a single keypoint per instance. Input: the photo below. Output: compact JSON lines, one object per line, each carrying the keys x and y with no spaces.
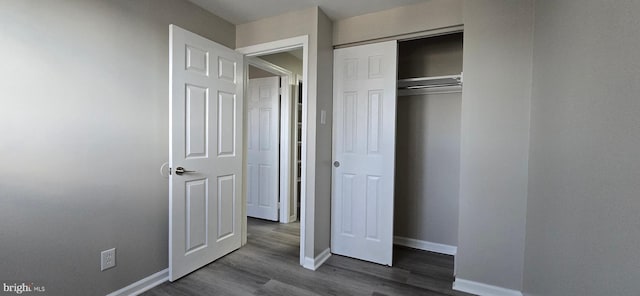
{"x":263,"y":146}
{"x":364,"y":151}
{"x":206,"y":103}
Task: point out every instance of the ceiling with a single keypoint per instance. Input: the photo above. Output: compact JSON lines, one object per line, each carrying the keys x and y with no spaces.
{"x":244,"y":11}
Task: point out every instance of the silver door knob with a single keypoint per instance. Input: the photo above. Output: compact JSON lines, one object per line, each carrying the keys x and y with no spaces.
{"x":181,"y":170}
{"x":336,"y":164}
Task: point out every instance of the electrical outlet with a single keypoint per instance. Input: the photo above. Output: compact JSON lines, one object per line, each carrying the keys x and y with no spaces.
{"x":107,"y":259}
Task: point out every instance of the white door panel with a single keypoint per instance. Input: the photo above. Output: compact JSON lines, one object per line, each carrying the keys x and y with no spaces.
{"x":364,"y":148}
{"x":263,"y":109}
{"x":206,"y":106}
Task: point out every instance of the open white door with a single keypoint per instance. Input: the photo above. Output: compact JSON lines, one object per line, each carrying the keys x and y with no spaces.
{"x":364,"y":151}
{"x":205,"y":154}
{"x":263,"y":146}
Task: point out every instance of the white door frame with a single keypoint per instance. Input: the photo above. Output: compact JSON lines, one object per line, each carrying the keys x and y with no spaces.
{"x":270,"y":48}
{"x":286,"y":100}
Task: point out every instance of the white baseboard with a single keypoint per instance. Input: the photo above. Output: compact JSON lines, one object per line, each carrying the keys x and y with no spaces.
{"x":483,"y":289}
{"x":143,"y":285}
{"x":314,"y":263}
{"x":425,"y":245}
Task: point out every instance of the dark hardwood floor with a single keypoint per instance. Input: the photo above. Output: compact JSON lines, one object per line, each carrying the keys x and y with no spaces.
{"x":269,"y":265}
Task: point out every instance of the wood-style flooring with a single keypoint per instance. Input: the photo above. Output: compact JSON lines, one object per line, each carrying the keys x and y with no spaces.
{"x":269,"y":265}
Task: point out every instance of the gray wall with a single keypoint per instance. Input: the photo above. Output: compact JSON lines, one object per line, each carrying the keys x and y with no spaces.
{"x":583,"y":222}
{"x":434,"y":56}
{"x":324,"y":136}
{"x":424,"y":16}
{"x":495,"y":141}
{"x":84,"y":125}
{"x":290,"y":24}
{"x":285,"y":60}
{"x":428,"y":168}
{"x":259,"y":73}
{"x":428,"y":145}
{"x":317,"y":26}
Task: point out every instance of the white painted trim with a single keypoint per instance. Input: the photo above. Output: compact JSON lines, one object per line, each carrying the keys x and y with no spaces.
{"x":309,"y":263}
{"x":296,"y":118}
{"x":286,"y":137}
{"x":143,"y":285}
{"x":323,"y":257}
{"x":483,"y":289}
{"x":425,"y":245}
{"x":314,"y":263}
{"x":306,"y":231}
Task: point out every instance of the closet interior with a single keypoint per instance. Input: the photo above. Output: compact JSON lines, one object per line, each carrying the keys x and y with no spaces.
{"x":428,"y":142}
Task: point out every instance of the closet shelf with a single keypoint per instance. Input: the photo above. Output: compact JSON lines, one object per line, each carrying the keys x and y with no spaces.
{"x":427,"y":85}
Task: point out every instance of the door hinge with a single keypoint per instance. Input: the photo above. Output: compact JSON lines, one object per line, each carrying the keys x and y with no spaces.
{"x":169,"y":171}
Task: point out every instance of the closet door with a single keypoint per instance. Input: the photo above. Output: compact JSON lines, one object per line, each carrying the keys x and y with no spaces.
{"x":364,"y":151}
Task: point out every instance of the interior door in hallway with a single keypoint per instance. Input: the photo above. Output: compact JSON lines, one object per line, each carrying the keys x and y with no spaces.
{"x":263,"y":147}
{"x":364,"y":151}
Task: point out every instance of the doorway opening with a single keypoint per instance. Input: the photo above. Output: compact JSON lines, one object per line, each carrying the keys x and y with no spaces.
{"x":293,"y":121}
{"x":274,"y":126}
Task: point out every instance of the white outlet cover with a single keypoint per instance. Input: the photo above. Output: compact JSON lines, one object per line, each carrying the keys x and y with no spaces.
{"x":107,"y":259}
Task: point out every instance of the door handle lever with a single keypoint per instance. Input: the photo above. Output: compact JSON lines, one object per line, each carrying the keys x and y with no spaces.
{"x":181,"y":170}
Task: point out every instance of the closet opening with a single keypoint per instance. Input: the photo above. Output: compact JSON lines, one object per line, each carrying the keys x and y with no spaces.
{"x":428,"y":133}
{"x":396,"y":149}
